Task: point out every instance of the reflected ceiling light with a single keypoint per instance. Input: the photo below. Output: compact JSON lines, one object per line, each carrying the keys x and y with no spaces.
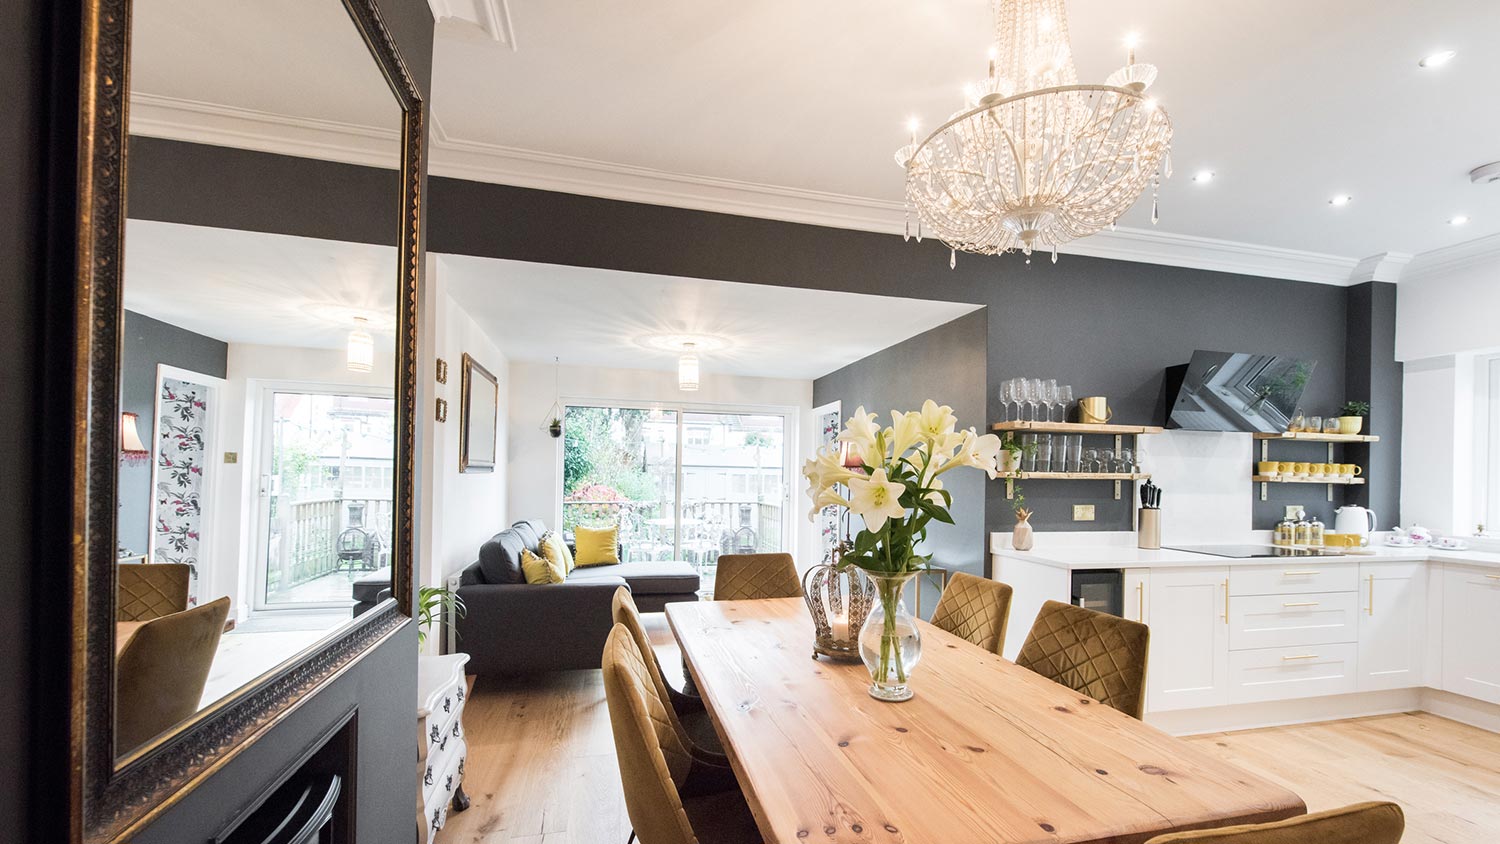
{"x":687,"y":369}
{"x":133,"y":452}
{"x":1203,"y":177}
{"x":1437,"y":59}
{"x":360,"y":351}
{"x":1458,"y":220}
{"x":1341,"y":200}
{"x":1032,"y":159}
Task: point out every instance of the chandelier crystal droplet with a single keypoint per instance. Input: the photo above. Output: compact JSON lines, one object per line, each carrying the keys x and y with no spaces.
{"x":1034,"y":160}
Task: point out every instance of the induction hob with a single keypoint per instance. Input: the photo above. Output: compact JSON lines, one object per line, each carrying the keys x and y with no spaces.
{"x":1245,"y":552}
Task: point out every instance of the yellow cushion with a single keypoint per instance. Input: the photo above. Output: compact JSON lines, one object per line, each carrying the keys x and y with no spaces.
{"x":540,"y":569}
{"x":597,"y":546}
{"x":556,"y":551}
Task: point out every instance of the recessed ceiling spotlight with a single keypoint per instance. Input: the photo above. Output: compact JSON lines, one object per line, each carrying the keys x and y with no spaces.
{"x":1437,"y":59}
{"x":1203,"y":177}
{"x":1458,"y":220}
{"x":1341,"y":200}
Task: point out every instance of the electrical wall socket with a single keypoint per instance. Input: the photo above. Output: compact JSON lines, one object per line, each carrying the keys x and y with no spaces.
{"x":1083,"y":512}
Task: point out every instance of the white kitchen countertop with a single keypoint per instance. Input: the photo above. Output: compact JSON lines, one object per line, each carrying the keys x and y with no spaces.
{"x":1074,"y":552}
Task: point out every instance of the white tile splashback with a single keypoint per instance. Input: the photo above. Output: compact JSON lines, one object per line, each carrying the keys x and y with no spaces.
{"x":1205,"y":479}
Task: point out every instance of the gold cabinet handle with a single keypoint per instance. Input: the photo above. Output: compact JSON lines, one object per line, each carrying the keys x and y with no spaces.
{"x":1301,"y":573}
{"x":1300,"y":656}
{"x":1370,"y":610}
{"x":1226,"y":601}
{"x":1493,"y":576}
{"x":1300,"y":604}
{"x":1140,"y":602}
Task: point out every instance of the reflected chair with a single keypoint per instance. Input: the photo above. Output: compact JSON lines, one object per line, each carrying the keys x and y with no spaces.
{"x":1361,"y":823}
{"x":161,"y":672}
{"x":687,"y":713}
{"x":654,"y":763}
{"x":144,"y":591}
{"x":975,"y":609}
{"x":743,"y":577}
{"x":1094,"y":653}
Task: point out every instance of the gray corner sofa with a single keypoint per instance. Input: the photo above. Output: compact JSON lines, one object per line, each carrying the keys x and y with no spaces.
{"x":515,"y":627}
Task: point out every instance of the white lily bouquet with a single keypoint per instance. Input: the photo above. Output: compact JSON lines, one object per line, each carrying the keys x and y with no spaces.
{"x":897,"y":490}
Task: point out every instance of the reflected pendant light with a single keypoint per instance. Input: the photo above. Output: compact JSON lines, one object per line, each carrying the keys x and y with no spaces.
{"x":687,"y":369}
{"x":133,"y":452}
{"x":360,"y":352}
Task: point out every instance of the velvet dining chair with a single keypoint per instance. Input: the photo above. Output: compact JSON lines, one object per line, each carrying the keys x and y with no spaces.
{"x":743,"y":577}
{"x":975,"y":609}
{"x":1361,"y":823}
{"x":1094,"y":653}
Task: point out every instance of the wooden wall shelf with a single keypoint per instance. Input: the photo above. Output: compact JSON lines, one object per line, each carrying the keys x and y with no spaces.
{"x":1308,"y":436}
{"x":1267,"y":479}
{"x":1075,"y":428}
{"x":1010,"y":478}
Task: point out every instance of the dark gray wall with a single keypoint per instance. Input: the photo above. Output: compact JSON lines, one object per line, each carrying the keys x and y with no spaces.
{"x":149,"y":343}
{"x":1375,"y":376}
{"x":946,"y":364}
{"x":1106,"y":327}
{"x":39,"y":61}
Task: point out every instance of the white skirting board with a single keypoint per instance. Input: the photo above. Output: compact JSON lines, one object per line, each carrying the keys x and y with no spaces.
{"x":1250,"y":716}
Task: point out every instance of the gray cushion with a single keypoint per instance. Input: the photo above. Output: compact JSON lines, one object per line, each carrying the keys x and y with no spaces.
{"x":369,"y":587}
{"x":646,"y":578}
{"x":530,"y":532}
{"x":500,"y":558}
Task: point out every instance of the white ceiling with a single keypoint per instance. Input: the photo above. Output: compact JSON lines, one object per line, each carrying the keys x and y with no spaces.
{"x":598,"y":317}
{"x":248,"y":287}
{"x":792,"y":109}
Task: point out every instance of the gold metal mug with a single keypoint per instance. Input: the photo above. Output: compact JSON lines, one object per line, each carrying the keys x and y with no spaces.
{"x":1094,"y":410}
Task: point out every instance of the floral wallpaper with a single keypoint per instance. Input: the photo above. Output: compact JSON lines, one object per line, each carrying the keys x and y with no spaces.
{"x":828,"y":520}
{"x":182,"y":411}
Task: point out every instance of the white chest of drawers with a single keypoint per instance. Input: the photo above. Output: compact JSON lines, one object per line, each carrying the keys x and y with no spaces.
{"x":441,"y":694}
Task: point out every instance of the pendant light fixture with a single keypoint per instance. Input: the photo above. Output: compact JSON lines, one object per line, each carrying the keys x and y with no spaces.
{"x":687,"y":368}
{"x":360,"y":351}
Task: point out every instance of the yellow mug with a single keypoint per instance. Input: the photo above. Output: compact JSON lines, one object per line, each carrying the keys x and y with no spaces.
{"x":1268,"y":467}
{"x":1286,"y":468}
{"x":1301,"y":470}
{"x":1094,"y":410}
{"x":1339,"y":540}
{"x":1351,"y":470}
{"x":1319,"y":470}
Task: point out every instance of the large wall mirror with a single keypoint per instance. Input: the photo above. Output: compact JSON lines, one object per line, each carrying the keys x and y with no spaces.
{"x":248,"y":385}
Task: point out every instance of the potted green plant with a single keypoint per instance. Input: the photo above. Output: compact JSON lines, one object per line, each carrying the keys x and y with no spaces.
{"x":1011,"y":452}
{"x":432,"y":603}
{"x":1352,"y":416}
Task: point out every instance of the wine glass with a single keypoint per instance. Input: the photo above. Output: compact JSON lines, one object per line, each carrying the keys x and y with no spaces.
{"x":1049,"y":395}
{"x":1035,"y":389}
{"x":1064,"y":399}
{"x":1007,"y":395}
{"x":1023,"y":397}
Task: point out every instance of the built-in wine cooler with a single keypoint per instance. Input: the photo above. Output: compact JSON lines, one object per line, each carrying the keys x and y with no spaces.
{"x":1100,"y":589}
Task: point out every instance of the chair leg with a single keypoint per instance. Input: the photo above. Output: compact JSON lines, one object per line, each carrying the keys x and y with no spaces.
{"x":631,"y":838}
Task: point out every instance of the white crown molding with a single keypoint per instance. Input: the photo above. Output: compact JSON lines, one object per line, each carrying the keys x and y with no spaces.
{"x":1460,"y":256}
{"x":1386,"y":266}
{"x":462,"y":159}
{"x":492,"y":17}
{"x":220,"y":125}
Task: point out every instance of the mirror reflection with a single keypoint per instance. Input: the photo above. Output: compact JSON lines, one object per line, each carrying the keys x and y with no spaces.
{"x":256,"y":487}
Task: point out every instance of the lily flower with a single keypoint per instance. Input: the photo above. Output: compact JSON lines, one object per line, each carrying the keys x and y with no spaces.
{"x":876,"y":499}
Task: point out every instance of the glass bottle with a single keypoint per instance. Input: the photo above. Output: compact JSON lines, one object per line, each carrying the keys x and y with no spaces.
{"x":1315,"y":532}
{"x":1283,"y":534}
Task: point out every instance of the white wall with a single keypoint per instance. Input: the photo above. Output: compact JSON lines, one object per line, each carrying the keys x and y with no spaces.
{"x":535,"y":459}
{"x":1445,"y":318}
{"x":250,"y":368}
{"x":458,"y":511}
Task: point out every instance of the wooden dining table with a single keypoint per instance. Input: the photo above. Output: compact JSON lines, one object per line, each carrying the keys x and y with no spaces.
{"x":987,"y":751}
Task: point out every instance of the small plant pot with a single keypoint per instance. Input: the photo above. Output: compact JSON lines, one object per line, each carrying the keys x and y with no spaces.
{"x":1351,"y":424}
{"x":1020,"y":538}
{"x":555,"y":429}
{"x":1010,"y":461}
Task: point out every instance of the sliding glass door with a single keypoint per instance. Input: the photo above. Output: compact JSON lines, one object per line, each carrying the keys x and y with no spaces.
{"x":681,"y":484}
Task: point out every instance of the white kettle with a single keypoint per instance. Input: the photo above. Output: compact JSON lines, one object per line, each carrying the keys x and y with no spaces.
{"x":1355,"y":520}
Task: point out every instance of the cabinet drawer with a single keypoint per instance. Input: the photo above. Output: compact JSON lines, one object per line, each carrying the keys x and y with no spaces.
{"x":1284,"y":621}
{"x":1286,"y":673}
{"x":1293,"y":576}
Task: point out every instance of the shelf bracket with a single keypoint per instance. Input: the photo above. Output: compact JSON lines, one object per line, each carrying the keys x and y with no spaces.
{"x":1117,"y":490}
{"x":1263,"y":486}
{"x":1330,"y":458}
{"x":1010,"y":488}
{"x":1330,"y":490}
{"x":1265,"y":449}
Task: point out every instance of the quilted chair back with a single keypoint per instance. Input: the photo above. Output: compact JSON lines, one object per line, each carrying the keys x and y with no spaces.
{"x":653,"y":760}
{"x":976,"y":609}
{"x":743,"y":577}
{"x":1097,"y":654}
{"x":626,"y":615}
{"x":144,"y":591}
{"x":1361,"y":823}
{"x":161,"y":672}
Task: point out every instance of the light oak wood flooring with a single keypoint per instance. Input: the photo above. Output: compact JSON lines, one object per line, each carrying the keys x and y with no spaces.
{"x":542,"y":770}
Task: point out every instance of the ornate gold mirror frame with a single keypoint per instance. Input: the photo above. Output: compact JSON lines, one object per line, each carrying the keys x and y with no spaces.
{"x":110,"y":799}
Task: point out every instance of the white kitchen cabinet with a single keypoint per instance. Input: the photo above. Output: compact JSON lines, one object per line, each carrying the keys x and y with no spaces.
{"x":1471,"y":631}
{"x":1392,"y":625}
{"x":1281,"y":621}
{"x":1189,"y":610}
{"x":1137,"y":586}
{"x":1288,"y":673}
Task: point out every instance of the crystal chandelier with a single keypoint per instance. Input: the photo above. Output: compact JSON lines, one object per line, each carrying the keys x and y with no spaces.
{"x":1034,"y":159}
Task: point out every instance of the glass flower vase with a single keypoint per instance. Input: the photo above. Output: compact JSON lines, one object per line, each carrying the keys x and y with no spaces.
{"x":890,"y":645}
